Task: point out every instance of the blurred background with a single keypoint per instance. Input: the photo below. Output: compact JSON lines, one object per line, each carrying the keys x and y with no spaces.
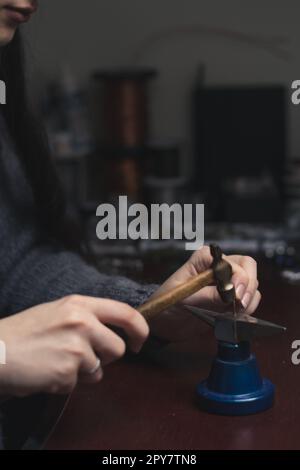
{"x":172,"y":101}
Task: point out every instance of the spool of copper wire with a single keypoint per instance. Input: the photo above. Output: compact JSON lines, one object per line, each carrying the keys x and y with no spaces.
{"x":123,"y":127}
{"x":124,"y":175}
{"x":125,"y":106}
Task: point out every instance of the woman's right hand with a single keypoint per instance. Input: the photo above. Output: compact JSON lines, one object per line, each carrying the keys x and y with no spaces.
{"x":50,"y":347}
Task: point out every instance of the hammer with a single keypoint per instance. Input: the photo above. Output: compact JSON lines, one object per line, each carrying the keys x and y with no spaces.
{"x":219,"y":274}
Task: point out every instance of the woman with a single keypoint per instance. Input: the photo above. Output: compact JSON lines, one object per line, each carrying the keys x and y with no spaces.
{"x":55,"y":308}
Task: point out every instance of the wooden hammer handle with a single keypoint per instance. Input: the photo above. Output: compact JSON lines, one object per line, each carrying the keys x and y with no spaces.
{"x":155,"y":306}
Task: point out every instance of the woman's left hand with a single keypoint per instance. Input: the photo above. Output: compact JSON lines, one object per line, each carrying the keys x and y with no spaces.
{"x":244,"y":279}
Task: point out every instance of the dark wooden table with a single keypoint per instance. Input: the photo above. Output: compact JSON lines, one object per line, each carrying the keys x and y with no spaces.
{"x":150,"y":403}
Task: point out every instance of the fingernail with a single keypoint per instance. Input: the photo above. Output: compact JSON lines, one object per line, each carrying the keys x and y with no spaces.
{"x":135,"y":349}
{"x":240,"y":290}
{"x":246,"y":300}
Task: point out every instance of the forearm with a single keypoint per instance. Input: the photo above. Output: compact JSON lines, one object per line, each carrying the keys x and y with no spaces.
{"x":46,"y":274}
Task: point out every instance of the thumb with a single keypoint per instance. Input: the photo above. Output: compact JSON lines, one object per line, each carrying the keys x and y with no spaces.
{"x":200,"y":260}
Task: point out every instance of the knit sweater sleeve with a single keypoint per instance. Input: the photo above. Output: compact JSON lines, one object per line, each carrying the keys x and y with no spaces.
{"x":43,"y":273}
{"x":33,"y":271}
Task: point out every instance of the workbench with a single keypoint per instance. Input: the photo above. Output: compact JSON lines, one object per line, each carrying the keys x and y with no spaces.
{"x":150,"y":403}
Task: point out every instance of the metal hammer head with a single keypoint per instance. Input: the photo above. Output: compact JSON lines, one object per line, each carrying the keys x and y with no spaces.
{"x":223,"y":273}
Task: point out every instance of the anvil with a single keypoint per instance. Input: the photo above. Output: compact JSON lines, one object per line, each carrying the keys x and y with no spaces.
{"x":234,"y":385}
{"x":234,"y":329}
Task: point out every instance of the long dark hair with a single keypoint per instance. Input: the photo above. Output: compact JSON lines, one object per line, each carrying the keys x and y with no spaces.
{"x":31,"y":144}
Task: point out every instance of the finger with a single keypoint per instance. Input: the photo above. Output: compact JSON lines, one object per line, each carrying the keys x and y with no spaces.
{"x":108,"y":346}
{"x":244,"y":272}
{"x":200,"y":260}
{"x":209,"y":299}
{"x":244,"y":278}
{"x":254,"y":303}
{"x":123,"y":316}
{"x":88,"y":363}
{"x":91,"y":378}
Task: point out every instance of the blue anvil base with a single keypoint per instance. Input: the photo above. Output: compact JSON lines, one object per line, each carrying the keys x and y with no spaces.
{"x":234,"y":385}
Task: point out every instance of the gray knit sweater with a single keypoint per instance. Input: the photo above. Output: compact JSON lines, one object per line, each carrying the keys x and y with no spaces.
{"x":33,"y":272}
